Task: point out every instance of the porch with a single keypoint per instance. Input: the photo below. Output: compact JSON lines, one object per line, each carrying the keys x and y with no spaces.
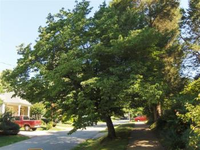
{"x":16,"y":105}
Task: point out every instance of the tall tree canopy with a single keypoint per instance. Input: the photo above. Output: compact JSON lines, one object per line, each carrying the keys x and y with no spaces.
{"x":191,"y":24}
{"x":191,"y":39}
{"x":89,"y":68}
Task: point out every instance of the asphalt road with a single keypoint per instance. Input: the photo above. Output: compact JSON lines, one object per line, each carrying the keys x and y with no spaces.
{"x":58,"y":140}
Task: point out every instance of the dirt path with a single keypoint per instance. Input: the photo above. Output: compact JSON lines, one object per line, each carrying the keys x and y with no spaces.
{"x":143,"y":139}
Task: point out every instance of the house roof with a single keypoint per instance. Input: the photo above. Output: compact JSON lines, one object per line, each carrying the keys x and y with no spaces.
{"x":8,"y":99}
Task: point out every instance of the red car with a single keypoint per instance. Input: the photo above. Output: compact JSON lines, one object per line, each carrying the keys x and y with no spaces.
{"x":140,"y":118}
{"x":27,"y":123}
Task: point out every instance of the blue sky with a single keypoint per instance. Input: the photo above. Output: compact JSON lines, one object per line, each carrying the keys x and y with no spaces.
{"x":20,"y":19}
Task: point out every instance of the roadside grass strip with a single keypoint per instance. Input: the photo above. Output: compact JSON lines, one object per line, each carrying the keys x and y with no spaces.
{"x":103,"y":143}
{"x":10,"y":139}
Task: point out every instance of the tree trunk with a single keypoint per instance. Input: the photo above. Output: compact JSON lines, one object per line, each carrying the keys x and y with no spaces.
{"x":111,"y":129}
{"x":155,"y":113}
{"x":159,"y":110}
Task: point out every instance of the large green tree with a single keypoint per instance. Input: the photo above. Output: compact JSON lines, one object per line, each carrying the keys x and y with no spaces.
{"x":156,"y":52}
{"x":90,"y":68}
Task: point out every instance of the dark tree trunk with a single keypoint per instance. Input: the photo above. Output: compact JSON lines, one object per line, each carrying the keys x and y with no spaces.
{"x":111,"y":129}
{"x":155,"y":113}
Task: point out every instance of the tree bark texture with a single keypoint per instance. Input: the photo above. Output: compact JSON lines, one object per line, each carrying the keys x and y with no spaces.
{"x":155,"y":113}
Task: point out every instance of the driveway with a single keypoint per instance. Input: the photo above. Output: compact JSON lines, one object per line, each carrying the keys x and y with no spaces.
{"x":58,"y":140}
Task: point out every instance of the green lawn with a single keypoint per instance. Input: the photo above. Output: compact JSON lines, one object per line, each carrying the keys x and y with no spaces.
{"x":120,"y":143}
{"x":10,"y":139}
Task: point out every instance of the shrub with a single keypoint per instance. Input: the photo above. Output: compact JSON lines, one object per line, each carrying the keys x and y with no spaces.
{"x":193,"y":117}
{"x":173,"y":130}
{"x":172,"y":140}
{"x":49,"y":125}
{"x":8,"y":127}
{"x":37,"y":110}
{"x":47,"y":121}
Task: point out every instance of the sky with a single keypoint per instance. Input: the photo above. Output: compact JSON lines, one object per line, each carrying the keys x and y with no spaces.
{"x":20,"y":19}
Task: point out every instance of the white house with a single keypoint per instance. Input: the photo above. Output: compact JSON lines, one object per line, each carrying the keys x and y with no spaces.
{"x":17,"y":105}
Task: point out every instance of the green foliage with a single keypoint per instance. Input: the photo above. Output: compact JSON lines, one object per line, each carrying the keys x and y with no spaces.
{"x":134,"y":112}
{"x":192,"y":116}
{"x":123,"y":132}
{"x":192,"y":88}
{"x":49,"y":125}
{"x":7,"y":140}
{"x":180,"y":124}
{"x":172,"y":140}
{"x":37,"y":110}
{"x":4,"y":85}
{"x":7,"y":126}
{"x":172,"y":131}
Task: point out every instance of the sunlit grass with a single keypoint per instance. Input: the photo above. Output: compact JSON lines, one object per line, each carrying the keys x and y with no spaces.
{"x":10,"y":139}
{"x":103,"y":143}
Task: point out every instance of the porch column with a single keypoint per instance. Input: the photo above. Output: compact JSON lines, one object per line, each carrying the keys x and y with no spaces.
{"x":29,"y":111}
{"x":3,"y":108}
{"x":19,"y":110}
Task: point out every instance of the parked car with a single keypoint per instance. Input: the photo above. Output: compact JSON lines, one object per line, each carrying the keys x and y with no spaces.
{"x":140,"y":118}
{"x":27,"y":123}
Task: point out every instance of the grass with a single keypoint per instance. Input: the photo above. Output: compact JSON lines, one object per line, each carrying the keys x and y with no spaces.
{"x":103,"y":143}
{"x":10,"y":139}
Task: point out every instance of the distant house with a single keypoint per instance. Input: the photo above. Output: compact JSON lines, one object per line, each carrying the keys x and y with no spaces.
{"x":17,"y":105}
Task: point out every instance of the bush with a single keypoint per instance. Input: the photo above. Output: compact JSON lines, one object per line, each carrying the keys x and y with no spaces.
{"x":192,"y":117}
{"x":45,"y":120}
{"x":49,"y":125}
{"x":37,"y":110}
{"x":7,"y":127}
{"x":172,"y":129}
{"x":172,"y":140}
{"x":48,"y":121}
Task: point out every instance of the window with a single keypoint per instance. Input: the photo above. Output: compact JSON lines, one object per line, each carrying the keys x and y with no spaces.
{"x":26,"y":118}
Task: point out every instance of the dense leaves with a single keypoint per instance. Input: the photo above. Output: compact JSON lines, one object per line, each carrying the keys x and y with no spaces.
{"x":4,"y":85}
{"x":37,"y":110}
